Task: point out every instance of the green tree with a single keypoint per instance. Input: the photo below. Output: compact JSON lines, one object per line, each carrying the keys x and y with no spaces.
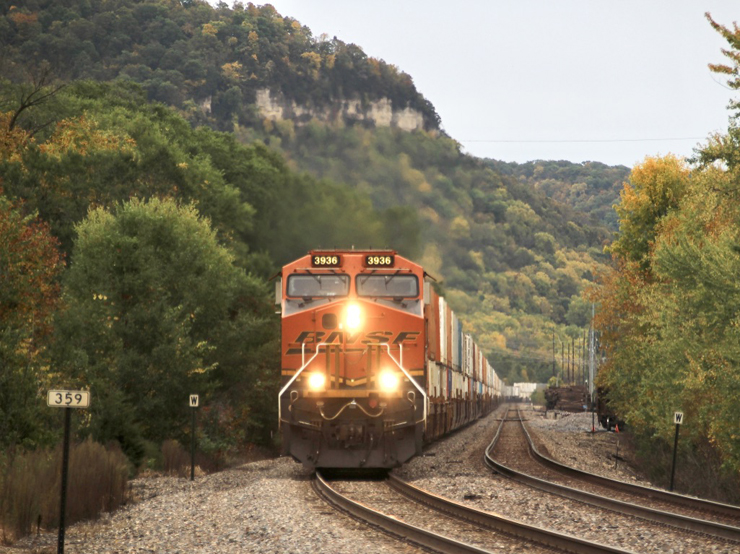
{"x":152,"y":302}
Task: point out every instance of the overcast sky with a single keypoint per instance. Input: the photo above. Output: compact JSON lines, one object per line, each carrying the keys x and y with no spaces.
{"x":574,"y":80}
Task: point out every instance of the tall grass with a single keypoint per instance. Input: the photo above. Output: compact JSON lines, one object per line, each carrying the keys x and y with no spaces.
{"x":25,"y":483}
{"x":699,"y":468}
{"x":175,"y":460}
{"x":30,"y":486}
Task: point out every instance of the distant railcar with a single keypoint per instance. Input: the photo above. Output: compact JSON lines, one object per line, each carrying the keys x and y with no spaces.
{"x":374,"y":362}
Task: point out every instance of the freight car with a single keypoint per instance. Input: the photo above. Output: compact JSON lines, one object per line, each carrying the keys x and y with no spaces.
{"x":374,"y":362}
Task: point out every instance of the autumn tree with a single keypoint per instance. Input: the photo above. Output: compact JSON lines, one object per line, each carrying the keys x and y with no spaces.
{"x":694,"y":308}
{"x":668,"y":313}
{"x":30,"y":265}
{"x":733,"y":54}
{"x":654,"y":187}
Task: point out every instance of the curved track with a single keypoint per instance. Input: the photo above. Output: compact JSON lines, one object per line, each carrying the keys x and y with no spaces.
{"x":682,"y":512}
{"x":416,"y":512}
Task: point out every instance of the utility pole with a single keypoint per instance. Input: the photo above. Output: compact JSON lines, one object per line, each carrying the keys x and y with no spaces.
{"x":573,"y":360}
{"x":591,"y":353}
{"x":562,"y":355}
{"x":581,"y":376}
{"x":553,"y":352}
{"x":591,"y":372}
{"x":584,"y":350}
{"x":553,"y":355}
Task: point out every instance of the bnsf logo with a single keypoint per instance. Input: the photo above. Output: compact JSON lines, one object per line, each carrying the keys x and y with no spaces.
{"x":338,"y":337}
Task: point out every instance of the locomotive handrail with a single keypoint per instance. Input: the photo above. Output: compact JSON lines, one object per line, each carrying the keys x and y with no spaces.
{"x":318,"y":349}
{"x":411,"y":379}
{"x":297,"y":373}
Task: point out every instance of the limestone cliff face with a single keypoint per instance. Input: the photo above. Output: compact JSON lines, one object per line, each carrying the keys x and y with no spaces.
{"x":275,"y":106}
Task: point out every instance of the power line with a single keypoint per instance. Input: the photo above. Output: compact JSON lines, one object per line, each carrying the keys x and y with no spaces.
{"x":570,"y":141}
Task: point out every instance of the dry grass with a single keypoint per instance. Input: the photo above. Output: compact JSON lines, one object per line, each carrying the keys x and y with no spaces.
{"x":175,"y":460}
{"x":699,"y":470}
{"x":30,"y":487}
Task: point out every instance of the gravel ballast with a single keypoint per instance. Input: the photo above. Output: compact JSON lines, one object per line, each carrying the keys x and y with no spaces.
{"x":269,"y":506}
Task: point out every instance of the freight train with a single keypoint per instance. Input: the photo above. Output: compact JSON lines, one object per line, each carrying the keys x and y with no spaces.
{"x":374,"y":362}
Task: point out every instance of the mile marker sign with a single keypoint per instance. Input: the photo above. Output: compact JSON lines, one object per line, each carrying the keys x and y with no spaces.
{"x":678,"y":418}
{"x":68,"y":399}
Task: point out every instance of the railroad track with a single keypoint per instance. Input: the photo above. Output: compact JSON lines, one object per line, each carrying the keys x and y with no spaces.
{"x":415,"y":512}
{"x":679,"y":511}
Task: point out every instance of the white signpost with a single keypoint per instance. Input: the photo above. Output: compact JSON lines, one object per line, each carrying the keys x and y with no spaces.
{"x":66,"y":399}
{"x":193,"y":402}
{"x":678,"y":420}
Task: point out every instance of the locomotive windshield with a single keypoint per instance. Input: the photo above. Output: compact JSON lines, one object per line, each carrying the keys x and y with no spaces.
{"x":312,"y":285}
{"x":396,"y":286}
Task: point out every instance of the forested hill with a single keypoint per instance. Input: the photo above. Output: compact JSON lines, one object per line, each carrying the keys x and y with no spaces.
{"x":208,"y":62}
{"x":591,"y":188}
{"x":153,"y":199}
{"x":513,"y":262}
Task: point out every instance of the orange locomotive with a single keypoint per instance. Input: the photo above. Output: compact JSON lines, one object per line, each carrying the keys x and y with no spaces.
{"x":373,"y":362}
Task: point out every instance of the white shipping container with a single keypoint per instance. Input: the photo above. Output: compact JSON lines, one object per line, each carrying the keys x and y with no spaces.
{"x":468,"y":347}
{"x":443,"y":331}
{"x":456,"y":346}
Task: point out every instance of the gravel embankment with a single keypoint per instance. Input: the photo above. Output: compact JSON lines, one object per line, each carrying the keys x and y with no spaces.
{"x":263,"y":507}
{"x":452,"y":468}
{"x":567,"y":438}
{"x":270,"y":507}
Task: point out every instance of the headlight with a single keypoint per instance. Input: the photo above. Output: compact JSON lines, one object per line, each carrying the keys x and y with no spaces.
{"x":317,"y":381}
{"x":354,"y":317}
{"x":389,"y":380}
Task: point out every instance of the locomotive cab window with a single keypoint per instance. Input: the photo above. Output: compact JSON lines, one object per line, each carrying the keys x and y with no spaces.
{"x":388,"y":286}
{"x":312,"y":285}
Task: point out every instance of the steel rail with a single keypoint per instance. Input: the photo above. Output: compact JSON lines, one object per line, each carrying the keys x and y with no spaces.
{"x":649,"y":492}
{"x":495,"y":522}
{"x":666,"y":518}
{"x":428,"y":539}
{"x":401,"y":530}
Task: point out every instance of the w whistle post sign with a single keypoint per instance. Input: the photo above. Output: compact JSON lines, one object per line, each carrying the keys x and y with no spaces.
{"x":678,"y":420}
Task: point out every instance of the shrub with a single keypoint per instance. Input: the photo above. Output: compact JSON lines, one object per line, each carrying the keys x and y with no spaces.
{"x":97,"y":480}
{"x":699,"y":470}
{"x":175,"y":459}
{"x":30,"y":486}
{"x":538,"y":397}
{"x":26,"y":483}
